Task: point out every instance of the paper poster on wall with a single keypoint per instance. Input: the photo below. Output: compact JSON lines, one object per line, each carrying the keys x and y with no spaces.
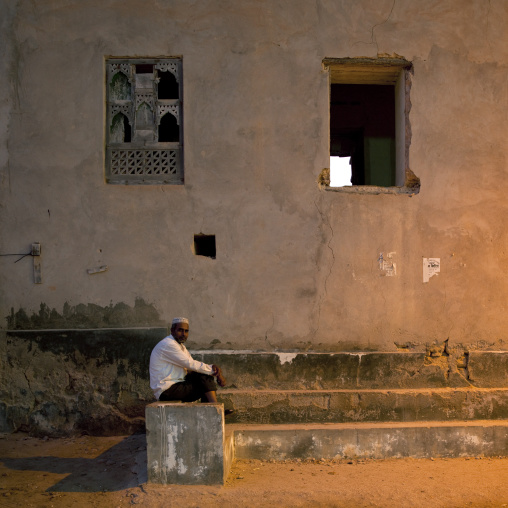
{"x":387,"y":265}
{"x":431,"y":267}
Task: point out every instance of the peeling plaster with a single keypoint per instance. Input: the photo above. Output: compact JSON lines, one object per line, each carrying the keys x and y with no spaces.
{"x":387,"y":265}
{"x":286,"y":357}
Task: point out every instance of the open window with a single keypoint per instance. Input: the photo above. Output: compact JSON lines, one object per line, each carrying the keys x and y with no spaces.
{"x":204,"y":245}
{"x":369,"y":124}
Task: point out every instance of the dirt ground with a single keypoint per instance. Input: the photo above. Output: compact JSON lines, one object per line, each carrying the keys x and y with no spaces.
{"x":111,"y":472}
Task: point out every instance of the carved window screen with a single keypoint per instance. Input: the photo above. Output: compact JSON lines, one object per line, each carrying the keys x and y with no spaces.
{"x":144,"y":135}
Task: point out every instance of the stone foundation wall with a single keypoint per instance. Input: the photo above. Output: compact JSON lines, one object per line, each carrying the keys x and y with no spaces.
{"x":60,"y":382}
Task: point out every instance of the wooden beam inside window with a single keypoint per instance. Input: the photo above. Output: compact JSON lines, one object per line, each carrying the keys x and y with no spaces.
{"x":365,"y":71}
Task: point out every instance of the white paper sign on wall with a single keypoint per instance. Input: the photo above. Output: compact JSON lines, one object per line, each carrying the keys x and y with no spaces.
{"x":431,"y":267}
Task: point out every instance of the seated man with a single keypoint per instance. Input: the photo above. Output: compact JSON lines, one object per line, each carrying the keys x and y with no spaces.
{"x":175,"y":375}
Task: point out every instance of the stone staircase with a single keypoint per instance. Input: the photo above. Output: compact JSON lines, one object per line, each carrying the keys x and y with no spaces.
{"x":296,"y":405}
{"x":306,"y":404}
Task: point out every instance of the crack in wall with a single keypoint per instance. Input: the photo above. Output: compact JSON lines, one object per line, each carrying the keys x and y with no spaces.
{"x":29,"y":386}
{"x":326,"y":221}
{"x":489,"y":10}
{"x":27,"y":379}
{"x":372,"y":35}
{"x":463,"y":365}
{"x":267,"y":331}
{"x":70,"y":383}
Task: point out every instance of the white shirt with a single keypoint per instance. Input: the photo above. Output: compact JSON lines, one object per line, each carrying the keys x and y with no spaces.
{"x":169,"y":363}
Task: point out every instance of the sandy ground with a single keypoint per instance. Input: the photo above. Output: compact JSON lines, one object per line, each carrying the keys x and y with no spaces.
{"x":111,"y":472}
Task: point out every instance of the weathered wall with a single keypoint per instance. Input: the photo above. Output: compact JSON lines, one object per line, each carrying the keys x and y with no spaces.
{"x":61,"y":382}
{"x":297,"y":266}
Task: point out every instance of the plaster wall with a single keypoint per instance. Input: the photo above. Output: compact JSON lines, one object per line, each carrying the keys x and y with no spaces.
{"x":297,"y":267}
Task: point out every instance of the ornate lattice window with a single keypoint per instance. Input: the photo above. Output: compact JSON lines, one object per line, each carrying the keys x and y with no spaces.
{"x":144,"y":121}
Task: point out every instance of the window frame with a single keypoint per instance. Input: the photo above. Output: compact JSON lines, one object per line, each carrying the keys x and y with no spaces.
{"x":143,"y":159}
{"x":396,"y":72}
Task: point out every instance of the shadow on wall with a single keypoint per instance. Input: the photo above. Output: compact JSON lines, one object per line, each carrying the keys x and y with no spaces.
{"x":85,"y":316}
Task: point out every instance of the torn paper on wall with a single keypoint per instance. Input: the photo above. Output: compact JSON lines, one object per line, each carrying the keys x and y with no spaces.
{"x":387,"y":265}
{"x":431,"y":267}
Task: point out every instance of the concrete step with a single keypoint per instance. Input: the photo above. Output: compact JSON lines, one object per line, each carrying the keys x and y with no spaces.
{"x":336,"y":406}
{"x":362,"y":440}
{"x":436,"y":368}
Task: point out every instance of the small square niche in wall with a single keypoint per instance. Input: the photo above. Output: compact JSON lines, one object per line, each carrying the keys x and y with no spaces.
{"x":204,"y":245}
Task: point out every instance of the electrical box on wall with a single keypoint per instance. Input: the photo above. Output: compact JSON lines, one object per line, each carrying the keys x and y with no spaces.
{"x":36,"y":249}
{"x":36,"y":254}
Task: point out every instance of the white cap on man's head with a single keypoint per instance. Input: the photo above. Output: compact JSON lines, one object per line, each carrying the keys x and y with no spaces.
{"x":179,"y":320}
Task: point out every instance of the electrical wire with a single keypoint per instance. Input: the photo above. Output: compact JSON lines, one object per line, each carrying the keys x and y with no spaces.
{"x":22,"y":256}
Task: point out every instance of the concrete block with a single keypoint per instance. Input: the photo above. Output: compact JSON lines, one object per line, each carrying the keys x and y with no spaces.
{"x":110,"y":383}
{"x":331,"y":371}
{"x":379,"y":441}
{"x":488,"y":369}
{"x":283,"y":371}
{"x":404,"y":370}
{"x":335,"y":406}
{"x":185,"y":443}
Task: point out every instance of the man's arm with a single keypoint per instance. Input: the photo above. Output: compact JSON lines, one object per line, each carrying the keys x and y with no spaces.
{"x":174,"y":354}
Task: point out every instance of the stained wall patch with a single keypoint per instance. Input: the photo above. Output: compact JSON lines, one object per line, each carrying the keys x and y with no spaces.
{"x":387,"y":265}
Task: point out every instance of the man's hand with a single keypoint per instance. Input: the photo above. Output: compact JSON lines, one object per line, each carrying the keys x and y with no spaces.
{"x":217,"y":372}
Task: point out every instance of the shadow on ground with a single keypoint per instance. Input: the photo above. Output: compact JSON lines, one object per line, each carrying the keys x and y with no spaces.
{"x":121,"y":467}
